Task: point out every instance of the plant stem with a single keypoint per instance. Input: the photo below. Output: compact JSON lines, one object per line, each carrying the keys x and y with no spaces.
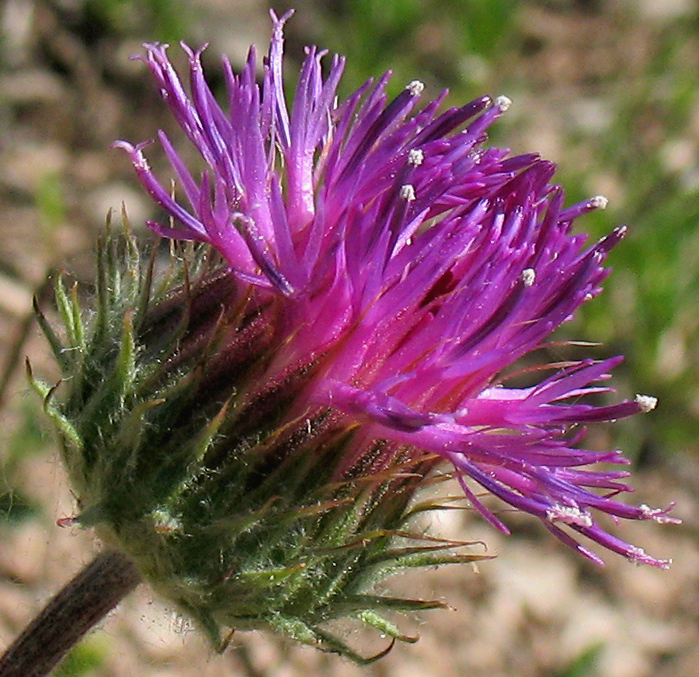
{"x":83,"y":602}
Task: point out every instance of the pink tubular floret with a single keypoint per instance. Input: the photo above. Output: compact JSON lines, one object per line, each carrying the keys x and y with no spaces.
{"x":416,"y":264}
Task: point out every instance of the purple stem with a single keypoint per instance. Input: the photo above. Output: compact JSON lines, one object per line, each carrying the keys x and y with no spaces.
{"x":82,"y":603}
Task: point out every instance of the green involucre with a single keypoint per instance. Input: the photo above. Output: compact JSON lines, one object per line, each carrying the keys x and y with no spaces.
{"x":230,"y":508}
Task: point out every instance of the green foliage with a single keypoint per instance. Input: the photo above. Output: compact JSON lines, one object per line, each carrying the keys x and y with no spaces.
{"x":585,"y":665}
{"x":431,"y":41}
{"x":163,"y":20}
{"x":83,"y":659}
{"x":27,"y":440}
{"x":50,"y":201}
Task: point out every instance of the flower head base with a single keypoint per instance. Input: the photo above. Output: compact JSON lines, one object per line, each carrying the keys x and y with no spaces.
{"x":382,"y":269}
{"x":232,"y":507}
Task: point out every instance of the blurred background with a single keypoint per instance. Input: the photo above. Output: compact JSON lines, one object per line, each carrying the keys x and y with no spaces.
{"x":609,"y":89}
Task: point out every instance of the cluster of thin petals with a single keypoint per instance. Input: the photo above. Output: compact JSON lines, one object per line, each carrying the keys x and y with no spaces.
{"x":415,"y":264}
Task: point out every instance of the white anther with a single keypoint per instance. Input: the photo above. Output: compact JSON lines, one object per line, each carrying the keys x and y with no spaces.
{"x":657,"y":515}
{"x":569,"y":515}
{"x":599,"y":202}
{"x":141,"y":163}
{"x":528,"y":276}
{"x":503,"y":103}
{"x":416,"y":157}
{"x":636,"y":555}
{"x":407,"y":192}
{"x":646,"y":402}
{"x":415,"y":87}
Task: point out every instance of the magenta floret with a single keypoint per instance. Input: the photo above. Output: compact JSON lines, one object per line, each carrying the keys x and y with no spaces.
{"x":412,"y":261}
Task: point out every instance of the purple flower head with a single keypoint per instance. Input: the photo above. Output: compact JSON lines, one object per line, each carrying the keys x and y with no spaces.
{"x":411,"y":265}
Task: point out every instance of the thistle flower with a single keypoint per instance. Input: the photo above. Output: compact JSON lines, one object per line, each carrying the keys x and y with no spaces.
{"x":252,"y":433}
{"x":414,"y":265}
